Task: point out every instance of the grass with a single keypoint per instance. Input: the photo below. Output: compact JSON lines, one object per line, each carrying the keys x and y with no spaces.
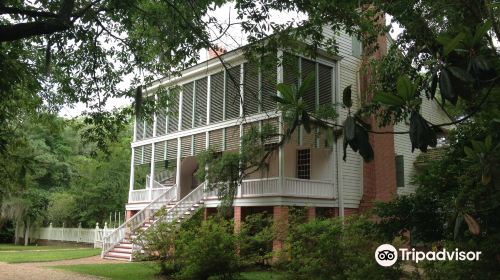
{"x":12,"y":247}
{"x":23,"y":256}
{"x":147,"y":271}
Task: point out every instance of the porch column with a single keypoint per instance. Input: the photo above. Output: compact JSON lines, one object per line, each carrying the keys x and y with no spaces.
{"x":152,"y":171}
{"x":131,"y":183}
{"x":311,"y":213}
{"x":242,"y":100}
{"x":178,"y":170}
{"x":237,"y":218}
{"x":281,"y":152}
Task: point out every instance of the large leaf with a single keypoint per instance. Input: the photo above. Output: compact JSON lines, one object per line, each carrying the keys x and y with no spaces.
{"x":286,"y":92}
{"x":421,"y":134}
{"x":453,"y":43}
{"x":306,"y":84}
{"x":346,"y":96}
{"x":405,"y":87}
{"x":481,"y":31}
{"x":388,"y":99}
{"x":349,"y":128}
{"x":446,"y":87}
{"x":434,"y":80}
{"x":458,"y":223}
{"x":461,"y":74}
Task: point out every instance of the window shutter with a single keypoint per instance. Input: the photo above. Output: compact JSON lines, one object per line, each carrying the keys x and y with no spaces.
{"x":171,"y":153}
{"x":251,"y":89}
{"x":138,"y":155}
{"x":268,"y":82}
{"x":325,"y":84}
{"x":216,"y":97}
{"x":274,"y":123}
{"x":173,"y":115}
{"x":187,"y":106}
{"x":215,"y":140}
{"x":291,"y":70}
{"x":309,"y":97}
{"x":232,"y":99}
{"x":232,"y":138}
{"x":159,"y":151}
{"x":199,"y":143}
{"x":139,"y":129}
{"x":147,"y":154}
{"x":161,"y":122}
{"x":400,"y":171}
{"x":186,"y":146}
{"x":200,"y":107}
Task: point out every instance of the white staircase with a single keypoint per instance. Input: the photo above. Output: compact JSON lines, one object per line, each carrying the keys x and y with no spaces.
{"x":119,"y":243}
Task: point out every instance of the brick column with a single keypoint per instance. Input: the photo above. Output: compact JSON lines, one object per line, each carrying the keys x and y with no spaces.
{"x":280,"y":218}
{"x":129,"y":213}
{"x":311,"y":213}
{"x":237,"y":218}
{"x":379,"y":175}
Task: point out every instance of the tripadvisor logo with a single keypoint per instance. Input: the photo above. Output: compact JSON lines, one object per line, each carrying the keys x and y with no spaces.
{"x":387,"y":255}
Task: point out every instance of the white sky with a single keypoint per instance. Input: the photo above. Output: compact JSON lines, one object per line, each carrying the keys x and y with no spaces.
{"x":226,"y":14}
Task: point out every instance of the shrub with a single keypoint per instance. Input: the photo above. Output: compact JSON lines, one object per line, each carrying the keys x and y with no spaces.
{"x":209,"y":251}
{"x":328,"y":249}
{"x":256,"y":240}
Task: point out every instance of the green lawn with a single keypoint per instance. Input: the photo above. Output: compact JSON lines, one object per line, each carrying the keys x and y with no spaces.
{"x":23,"y":256}
{"x":12,"y":247}
{"x":146,"y":271}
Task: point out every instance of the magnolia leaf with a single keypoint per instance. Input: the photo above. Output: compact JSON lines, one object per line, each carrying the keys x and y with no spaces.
{"x":306,"y":83}
{"x":446,"y":87}
{"x":349,"y":128}
{"x":472,"y":224}
{"x":469,"y":152}
{"x":346,"y":96}
{"x":481,"y":31}
{"x":433,"y":85}
{"x":404,"y":87}
{"x":286,"y":92}
{"x":461,"y":74}
{"x":458,"y":222}
{"x":453,"y":43}
{"x":388,"y":99}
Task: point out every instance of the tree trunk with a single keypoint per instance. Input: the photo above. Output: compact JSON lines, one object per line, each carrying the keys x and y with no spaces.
{"x":27,"y":232}
{"x":16,"y":234}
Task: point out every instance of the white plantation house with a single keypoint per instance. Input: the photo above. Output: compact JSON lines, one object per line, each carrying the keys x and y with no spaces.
{"x":306,"y":171}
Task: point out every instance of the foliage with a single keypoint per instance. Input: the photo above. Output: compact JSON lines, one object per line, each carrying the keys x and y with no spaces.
{"x":61,"y":209}
{"x":209,"y":251}
{"x":329,"y":249}
{"x":256,"y":240}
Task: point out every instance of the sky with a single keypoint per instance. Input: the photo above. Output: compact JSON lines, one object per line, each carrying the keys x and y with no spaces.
{"x":225,"y":14}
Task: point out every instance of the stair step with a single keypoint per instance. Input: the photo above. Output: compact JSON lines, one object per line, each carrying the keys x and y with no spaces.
{"x":121,"y":250}
{"x":124,"y":245}
{"x":116,"y":259}
{"x":118,"y":255}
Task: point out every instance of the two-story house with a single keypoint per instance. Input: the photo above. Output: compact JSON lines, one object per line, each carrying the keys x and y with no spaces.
{"x":214,"y":104}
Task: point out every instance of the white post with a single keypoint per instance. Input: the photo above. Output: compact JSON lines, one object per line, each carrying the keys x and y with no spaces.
{"x":242,"y":101}
{"x":50,"y":231}
{"x":131,"y":184}
{"x":96,"y":235}
{"x":62,"y":238}
{"x":281,"y":155}
{"x":79,"y":232}
{"x":178,"y":171}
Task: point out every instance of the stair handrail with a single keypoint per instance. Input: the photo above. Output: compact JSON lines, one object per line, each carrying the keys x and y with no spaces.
{"x":195,"y":196}
{"x":160,"y":176}
{"x":114,"y":237}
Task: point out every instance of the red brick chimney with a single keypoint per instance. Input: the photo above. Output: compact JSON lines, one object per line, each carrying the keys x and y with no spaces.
{"x":215,"y":52}
{"x":379,"y":175}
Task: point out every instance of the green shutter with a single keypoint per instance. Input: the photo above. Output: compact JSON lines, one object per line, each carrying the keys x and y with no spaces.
{"x":400,"y":171}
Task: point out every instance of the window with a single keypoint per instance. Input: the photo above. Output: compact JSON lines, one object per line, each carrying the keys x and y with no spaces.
{"x":304,"y":164}
{"x":400,"y":171}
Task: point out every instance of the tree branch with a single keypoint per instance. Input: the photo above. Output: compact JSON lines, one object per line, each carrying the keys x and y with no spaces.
{"x":26,"y":12}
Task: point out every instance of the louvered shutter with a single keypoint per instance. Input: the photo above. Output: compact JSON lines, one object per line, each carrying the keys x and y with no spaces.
{"x":291,"y":70}
{"x":325,"y":84}
{"x":232,"y":100}
{"x":309,"y":139}
{"x":186,"y":144}
{"x":251,"y":89}
{"x":274,"y":124}
{"x":309,"y":97}
{"x":187,"y":106}
{"x":147,"y":154}
{"x":159,"y":151}
{"x":200,"y":107}
{"x":173,"y":109}
{"x":138,"y":155}
{"x":199,"y":143}
{"x":268,"y":82}
{"x":139,"y":129}
{"x":400,"y":171}
{"x":171,"y":149}
{"x":232,"y":138}
{"x":216,"y":97}
{"x":161,"y":122}
{"x":215,"y":140}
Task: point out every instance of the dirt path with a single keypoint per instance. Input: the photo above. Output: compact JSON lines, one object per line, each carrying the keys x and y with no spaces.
{"x":41,"y":271}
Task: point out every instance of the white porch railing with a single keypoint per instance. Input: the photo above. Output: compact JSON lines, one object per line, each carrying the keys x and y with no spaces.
{"x":148,"y":194}
{"x":138,"y":219}
{"x":292,"y":187}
